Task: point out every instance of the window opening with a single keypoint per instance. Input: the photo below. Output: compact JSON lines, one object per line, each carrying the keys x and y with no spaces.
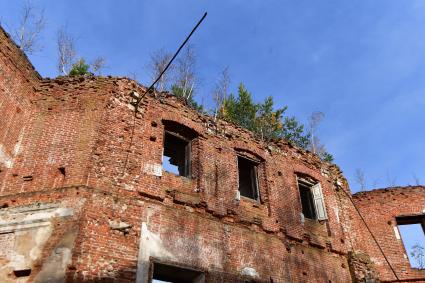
{"x":176,"y":157}
{"x":312,"y":200}
{"x":412,"y":230}
{"x":173,"y":274}
{"x":307,"y":201}
{"x":248,"y":181}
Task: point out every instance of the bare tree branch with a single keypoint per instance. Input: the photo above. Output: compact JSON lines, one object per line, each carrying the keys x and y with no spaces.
{"x":98,"y":64}
{"x":416,"y":179}
{"x":418,"y":253}
{"x":221,"y":91}
{"x":30,"y":27}
{"x":360,"y":179}
{"x":185,"y":78}
{"x":132,"y":75}
{"x":391,"y":180}
{"x":66,"y":51}
{"x":157,"y":63}
{"x":314,"y":120}
{"x":376,"y":182}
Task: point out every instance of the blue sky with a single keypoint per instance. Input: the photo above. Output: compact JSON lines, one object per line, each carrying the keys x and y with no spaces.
{"x":362,"y":63}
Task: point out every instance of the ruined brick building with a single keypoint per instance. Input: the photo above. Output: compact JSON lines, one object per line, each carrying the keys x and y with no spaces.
{"x":84,"y":196}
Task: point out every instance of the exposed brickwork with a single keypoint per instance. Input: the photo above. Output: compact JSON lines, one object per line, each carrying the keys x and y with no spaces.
{"x":78,"y":142}
{"x":380,"y":209}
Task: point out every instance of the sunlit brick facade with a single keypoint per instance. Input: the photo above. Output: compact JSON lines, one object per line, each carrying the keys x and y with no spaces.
{"x":84,"y":195}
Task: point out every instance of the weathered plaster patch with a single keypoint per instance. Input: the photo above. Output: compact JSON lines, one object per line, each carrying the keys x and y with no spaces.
{"x":17,"y":147}
{"x":5,"y":158}
{"x":27,"y":248}
{"x":153,"y":169}
{"x":150,"y":245}
{"x":54,"y":268}
{"x":336,"y":210}
{"x":31,"y":216}
{"x":24,"y":232}
{"x":249,"y":271}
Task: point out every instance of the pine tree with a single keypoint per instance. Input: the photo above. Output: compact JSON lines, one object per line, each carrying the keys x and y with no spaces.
{"x":266,"y":122}
{"x":241,"y":110}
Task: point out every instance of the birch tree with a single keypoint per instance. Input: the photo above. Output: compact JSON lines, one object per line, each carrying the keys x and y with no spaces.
{"x":66,"y":51}
{"x":185,"y":75}
{"x":157,"y":63}
{"x":220,"y":92}
{"x":31,"y":25}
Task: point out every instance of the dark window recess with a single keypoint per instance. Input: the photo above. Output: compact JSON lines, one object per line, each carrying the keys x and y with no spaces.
{"x":176,"y":155}
{"x":174,"y":274}
{"x":307,"y":201}
{"x":248,"y":183}
{"x":22,"y":272}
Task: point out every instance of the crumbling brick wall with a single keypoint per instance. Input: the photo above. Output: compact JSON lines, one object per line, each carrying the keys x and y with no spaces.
{"x":380,"y":209}
{"x":17,"y":81}
{"x":86,"y":150}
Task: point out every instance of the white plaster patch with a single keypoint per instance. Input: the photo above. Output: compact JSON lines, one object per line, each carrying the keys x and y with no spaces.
{"x":336,"y":210}
{"x":28,"y":229}
{"x":249,"y":271}
{"x":151,"y":245}
{"x":40,"y":238}
{"x":153,"y":169}
{"x":32,"y":214}
{"x":128,"y":187}
{"x":17,"y":261}
{"x":17,"y":147}
{"x":5,"y":158}
{"x":18,"y":220}
{"x":397,"y":233}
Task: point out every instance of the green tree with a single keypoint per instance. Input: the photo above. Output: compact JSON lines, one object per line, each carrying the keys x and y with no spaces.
{"x":294,"y":132}
{"x":261,"y":118}
{"x":268,"y":123}
{"x":80,"y":68}
{"x":265,"y":121}
{"x":241,"y":110}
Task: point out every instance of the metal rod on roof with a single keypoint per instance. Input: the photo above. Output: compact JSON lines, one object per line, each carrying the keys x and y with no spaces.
{"x":171,"y":61}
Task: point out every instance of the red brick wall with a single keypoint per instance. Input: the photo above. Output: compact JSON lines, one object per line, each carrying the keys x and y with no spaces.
{"x":380,"y":209}
{"x":84,"y":125}
{"x":17,"y":81}
{"x":211,"y":192}
{"x":80,"y":140}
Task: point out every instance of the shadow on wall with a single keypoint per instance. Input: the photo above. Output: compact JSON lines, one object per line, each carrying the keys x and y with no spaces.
{"x":124,"y":275}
